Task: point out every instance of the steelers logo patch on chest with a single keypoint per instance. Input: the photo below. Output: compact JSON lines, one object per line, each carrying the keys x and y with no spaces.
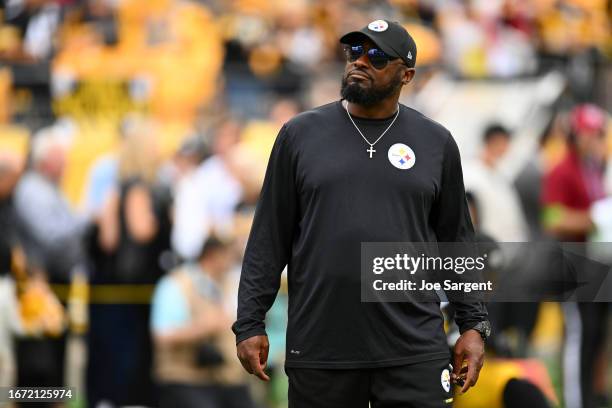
{"x":401,"y":156}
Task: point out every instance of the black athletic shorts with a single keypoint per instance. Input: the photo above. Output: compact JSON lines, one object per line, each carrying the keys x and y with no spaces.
{"x":205,"y":396}
{"x":420,"y":385}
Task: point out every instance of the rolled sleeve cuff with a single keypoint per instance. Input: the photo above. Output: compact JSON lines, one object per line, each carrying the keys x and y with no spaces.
{"x":250,"y":333}
{"x":465,"y":326}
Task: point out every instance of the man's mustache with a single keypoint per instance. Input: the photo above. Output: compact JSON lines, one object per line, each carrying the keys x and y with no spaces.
{"x":360,"y":71}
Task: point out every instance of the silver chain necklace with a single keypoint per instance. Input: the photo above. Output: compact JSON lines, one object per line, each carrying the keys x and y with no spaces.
{"x":371,"y":149}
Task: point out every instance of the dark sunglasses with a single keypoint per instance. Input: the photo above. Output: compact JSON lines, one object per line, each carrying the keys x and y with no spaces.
{"x":377,"y":57}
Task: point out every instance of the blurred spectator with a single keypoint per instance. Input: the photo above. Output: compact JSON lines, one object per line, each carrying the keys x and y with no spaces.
{"x":206,"y":198}
{"x":50,"y":230}
{"x":51,"y":234}
{"x":103,"y":176}
{"x":10,"y":321}
{"x":134,"y":222}
{"x":185,"y":161}
{"x":528,"y":185}
{"x":10,"y":171}
{"x":101,"y":14}
{"x":569,"y":190}
{"x":494,"y":193}
{"x":101,"y":180}
{"x":511,"y":323}
{"x":574,"y":184}
{"x":37,"y":22}
{"x":194,"y":357}
{"x":248,"y":160}
{"x":521,"y":393}
{"x":479,"y":43}
{"x":133,"y":235}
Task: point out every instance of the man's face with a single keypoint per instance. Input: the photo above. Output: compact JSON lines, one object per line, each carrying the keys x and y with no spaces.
{"x":592,"y":144}
{"x":497,"y":146}
{"x":365,"y":85}
{"x":54,"y":163}
{"x":228,"y":134}
{"x":219,"y":262}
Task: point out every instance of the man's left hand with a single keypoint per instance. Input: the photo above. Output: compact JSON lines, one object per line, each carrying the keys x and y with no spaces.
{"x":470,"y":348}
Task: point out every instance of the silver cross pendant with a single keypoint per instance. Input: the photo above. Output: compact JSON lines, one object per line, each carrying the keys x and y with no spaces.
{"x":371,"y":151}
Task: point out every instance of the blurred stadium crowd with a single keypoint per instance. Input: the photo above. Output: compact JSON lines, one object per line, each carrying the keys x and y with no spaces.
{"x":134,"y":136}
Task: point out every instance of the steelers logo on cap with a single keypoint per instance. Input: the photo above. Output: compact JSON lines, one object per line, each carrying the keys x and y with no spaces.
{"x":401,"y":156}
{"x":378,"y":25}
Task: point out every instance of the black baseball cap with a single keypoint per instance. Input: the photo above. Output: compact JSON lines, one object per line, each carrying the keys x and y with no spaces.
{"x":390,"y":36}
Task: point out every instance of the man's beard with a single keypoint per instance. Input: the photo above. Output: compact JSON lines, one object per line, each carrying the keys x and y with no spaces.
{"x":368,"y":96}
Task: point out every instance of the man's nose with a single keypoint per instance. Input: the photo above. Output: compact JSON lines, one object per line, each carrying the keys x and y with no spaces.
{"x":362,"y":61}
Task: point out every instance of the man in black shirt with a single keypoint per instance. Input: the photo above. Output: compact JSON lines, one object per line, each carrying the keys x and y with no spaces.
{"x":362,"y":169}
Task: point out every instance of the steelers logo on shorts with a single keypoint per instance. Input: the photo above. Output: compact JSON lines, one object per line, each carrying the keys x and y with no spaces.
{"x":445,"y":380}
{"x":401,"y":156}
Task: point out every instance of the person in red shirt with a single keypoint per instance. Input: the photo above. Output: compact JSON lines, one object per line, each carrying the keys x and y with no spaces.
{"x":569,"y":190}
{"x":576,"y":182}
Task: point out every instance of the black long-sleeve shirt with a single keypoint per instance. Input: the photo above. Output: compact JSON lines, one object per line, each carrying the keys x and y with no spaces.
{"x":322,"y":196}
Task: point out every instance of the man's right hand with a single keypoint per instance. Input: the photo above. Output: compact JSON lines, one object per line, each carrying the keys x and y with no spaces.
{"x":253,"y":354}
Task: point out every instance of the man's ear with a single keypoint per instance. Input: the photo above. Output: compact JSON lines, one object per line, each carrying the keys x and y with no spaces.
{"x":408,"y":75}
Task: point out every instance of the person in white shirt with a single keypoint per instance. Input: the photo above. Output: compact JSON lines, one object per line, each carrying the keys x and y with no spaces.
{"x":205,"y":200}
{"x":500,"y":211}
